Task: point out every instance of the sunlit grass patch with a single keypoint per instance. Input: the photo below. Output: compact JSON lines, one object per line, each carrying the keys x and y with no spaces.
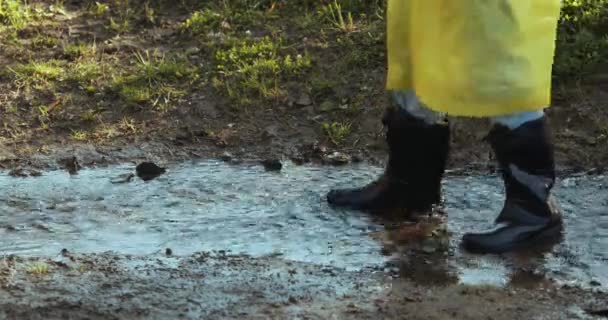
{"x":14,"y":14}
{"x":336,"y":131}
{"x":252,"y":69}
{"x":155,"y":80}
{"x":40,"y":268}
{"x":39,"y":73}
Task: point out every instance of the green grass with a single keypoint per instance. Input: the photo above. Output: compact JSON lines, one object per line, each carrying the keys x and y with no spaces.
{"x":42,"y":41}
{"x":99,"y":9}
{"x":79,"y":135}
{"x":14,"y":14}
{"x":341,"y":20}
{"x":202,"y":22}
{"x":74,"y":51}
{"x":155,"y":80}
{"x":86,"y":72}
{"x":39,"y":73}
{"x":252,"y":69}
{"x":582,"y":42}
{"x":256,"y":53}
{"x":337,"y":132}
{"x":230,"y":16}
{"x":120,"y":26}
{"x":40,"y":268}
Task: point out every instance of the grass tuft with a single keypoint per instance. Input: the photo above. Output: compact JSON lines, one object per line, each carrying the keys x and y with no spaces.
{"x":253,"y":69}
{"x":155,"y":80}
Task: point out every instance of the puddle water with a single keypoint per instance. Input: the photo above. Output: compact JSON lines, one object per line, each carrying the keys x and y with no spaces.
{"x":207,"y":206}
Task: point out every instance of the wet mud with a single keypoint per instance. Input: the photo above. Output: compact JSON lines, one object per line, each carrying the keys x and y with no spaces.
{"x":211,"y":240}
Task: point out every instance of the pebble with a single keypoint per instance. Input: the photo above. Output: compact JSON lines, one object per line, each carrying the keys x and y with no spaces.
{"x":337,"y":158}
{"x":148,"y":171}
{"x":272,"y":165}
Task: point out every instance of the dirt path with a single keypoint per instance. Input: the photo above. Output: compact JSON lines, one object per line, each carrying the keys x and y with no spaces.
{"x":214,"y":286}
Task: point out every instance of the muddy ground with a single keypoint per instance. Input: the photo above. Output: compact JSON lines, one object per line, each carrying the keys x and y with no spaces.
{"x":120,"y":80}
{"x":213,"y":286}
{"x":92,"y":118}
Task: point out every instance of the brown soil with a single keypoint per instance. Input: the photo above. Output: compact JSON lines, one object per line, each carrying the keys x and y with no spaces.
{"x":216,"y":286}
{"x":281,"y":129}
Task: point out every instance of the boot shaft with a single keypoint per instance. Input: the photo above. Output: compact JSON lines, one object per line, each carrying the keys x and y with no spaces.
{"x":526,"y":159}
{"x":415,"y":146}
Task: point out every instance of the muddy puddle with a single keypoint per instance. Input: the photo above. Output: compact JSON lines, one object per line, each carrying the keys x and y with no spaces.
{"x":213,"y":206}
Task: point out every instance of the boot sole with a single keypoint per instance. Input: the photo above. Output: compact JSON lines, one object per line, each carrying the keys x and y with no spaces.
{"x":541,"y":240}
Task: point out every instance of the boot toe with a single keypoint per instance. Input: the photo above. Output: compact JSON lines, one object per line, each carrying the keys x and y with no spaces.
{"x":334,"y":197}
{"x":509,"y":237}
{"x":478,"y":243}
{"x":351,"y":199}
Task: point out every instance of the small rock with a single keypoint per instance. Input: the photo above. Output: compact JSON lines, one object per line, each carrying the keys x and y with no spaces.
{"x":568,"y":183}
{"x":385,"y":251}
{"x":598,"y":313}
{"x":71,"y":164}
{"x":304,"y":100}
{"x":18,"y":172}
{"x":168,"y":252}
{"x":428,"y":249}
{"x":293,"y":300}
{"x":64,"y":252}
{"x":41,"y":226}
{"x":123,"y":178}
{"x":23,"y":173}
{"x":148,"y":171}
{"x":337,"y":158}
{"x":193,"y":51}
{"x":66,"y":207}
{"x":35,"y":173}
{"x":595,"y":283}
{"x":270,"y":132}
{"x":298,"y":160}
{"x":272,"y":165}
{"x":226,"y":156}
{"x":326,"y":106}
{"x":318,"y":149}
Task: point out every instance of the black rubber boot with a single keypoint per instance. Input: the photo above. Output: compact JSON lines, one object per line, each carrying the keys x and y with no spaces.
{"x":529,"y":217}
{"x":412,"y":179}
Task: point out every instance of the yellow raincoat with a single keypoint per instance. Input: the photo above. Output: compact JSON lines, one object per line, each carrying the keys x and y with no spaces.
{"x":475,"y":58}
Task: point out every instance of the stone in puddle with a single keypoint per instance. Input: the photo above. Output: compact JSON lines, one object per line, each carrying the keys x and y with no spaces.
{"x":148,"y":171}
{"x":272,"y":165}
{"x":70,"y":164}
{"x":23,"y":173}
{"x":19,"y":172}
{"x":599,"y":313}
{"x":337,"y":159}
{"x":123,"y":178}
{"x":226,"y":156}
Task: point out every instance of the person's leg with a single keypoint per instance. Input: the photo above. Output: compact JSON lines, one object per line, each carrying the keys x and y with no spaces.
{"x":524,"y":149}
{"x":418,"y":149}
